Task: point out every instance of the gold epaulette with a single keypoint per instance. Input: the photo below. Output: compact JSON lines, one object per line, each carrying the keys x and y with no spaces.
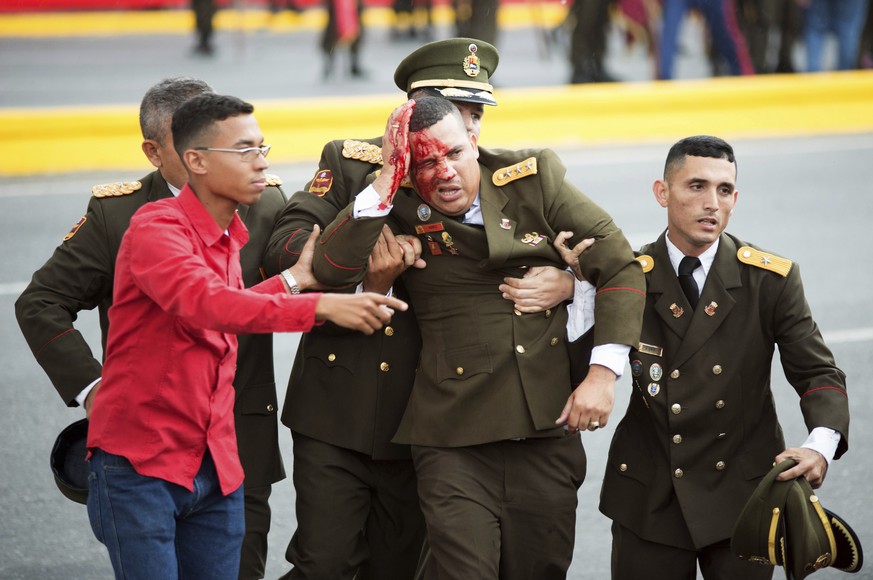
{"x":273,"y":180}
{"x":406,"y":182}
{"x":362,"y":151}
{"x":753,"y":257}
{"x":115,"y":189}
{"x":647,"y":262}
{"x":513,"y":172}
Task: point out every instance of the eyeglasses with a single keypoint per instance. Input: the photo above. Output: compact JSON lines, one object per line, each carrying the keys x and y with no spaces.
{"x":247,"y":154}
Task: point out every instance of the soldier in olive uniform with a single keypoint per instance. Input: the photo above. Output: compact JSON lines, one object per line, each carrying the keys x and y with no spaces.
{"x":700,"y":429}
{"x":347,"y":391}
{"x":497,"y":473}
{"x":79,"y":276}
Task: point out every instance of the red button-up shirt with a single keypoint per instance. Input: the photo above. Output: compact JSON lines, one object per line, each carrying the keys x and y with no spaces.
{"x":166,"y":394}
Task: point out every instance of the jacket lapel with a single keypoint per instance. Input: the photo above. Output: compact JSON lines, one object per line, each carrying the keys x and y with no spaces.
{"x":493,"y":201}
{"x":670,"y":303}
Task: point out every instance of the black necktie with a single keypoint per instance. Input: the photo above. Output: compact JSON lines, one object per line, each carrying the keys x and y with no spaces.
{"x":686,"y":279}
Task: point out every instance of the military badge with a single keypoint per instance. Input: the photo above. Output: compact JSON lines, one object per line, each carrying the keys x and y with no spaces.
{"x":434,"y":248}
{"x":449,"y":244}
{"x":636,"y":368}
{"x":676,"y":310}
{"x":321,"y":183}
{"x":532,"y":239}
{"x":471,"y":62}
{"x":656,"y":372}
{"x":423,"y":212}
{"x":653,"y":389}
{"x":650,"y":349}
{"x":429,"y":228}
{"x":710,"y":308}
{"x":75,"y":228}
{"x":505,"y":224}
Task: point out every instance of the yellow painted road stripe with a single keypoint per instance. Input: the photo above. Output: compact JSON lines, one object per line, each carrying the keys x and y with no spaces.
{"x":50,"y":140}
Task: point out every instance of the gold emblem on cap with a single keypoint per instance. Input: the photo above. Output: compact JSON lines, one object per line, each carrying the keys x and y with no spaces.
{"x":471,"y":62}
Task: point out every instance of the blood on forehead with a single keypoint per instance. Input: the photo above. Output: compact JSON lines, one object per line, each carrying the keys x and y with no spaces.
{"x":424,"y":147}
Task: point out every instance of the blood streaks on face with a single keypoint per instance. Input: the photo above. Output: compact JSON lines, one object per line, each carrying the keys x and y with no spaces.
{"x":429,"y":162}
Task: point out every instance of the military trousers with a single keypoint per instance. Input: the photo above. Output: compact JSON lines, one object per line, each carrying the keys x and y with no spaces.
{"x":634,"y":558}
{"x":501,"y":510}
{"x":357,"y":517}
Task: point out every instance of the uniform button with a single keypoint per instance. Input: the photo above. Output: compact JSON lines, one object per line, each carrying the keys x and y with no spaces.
{"x":676,"y":408}
{"x":460,"y":371}
{"x":721,"y":436}
{"x":719,"y":404}
{"x":270,"y":408}
{"x":384,"y":367}
{"x":554,"y":341}
{"x":548,"y":313}
{"x":622,"y":467}
{"x":747,"y":253}
{"x":716,"y":370}
{"x":331,"y":357}
{"x":677,"y":439}
{"x":678,"y":474}
{"x":517,"y":311}
{"x":519,"y":349}
{"x":674,"y":374}
{"x":389,"y":331}
{"x":720,"y":466}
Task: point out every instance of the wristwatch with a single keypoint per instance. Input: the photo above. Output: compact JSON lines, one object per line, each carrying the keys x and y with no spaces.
{"x":292,"y":283}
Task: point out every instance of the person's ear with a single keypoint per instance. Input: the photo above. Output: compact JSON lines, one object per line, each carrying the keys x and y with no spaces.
{"x":661,"y":191}
{"x":152,"y":152}
{"x":195,"y":162}
{"x":474,"y":141}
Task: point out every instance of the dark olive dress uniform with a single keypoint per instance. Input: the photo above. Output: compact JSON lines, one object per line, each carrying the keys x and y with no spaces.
{"x":79,"y":276}
{"x":700,"y":430}
{"x":492,"y":381}
{"x":357,"y":506}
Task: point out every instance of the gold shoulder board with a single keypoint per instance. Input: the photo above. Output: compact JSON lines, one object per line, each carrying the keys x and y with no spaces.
{"x":753,"y":257}
{"x":647,"y":262}
{"x":513,"y":172}
{"x":115,"y":189}
{"x":362,"y":151}
{"x":273,"y":180}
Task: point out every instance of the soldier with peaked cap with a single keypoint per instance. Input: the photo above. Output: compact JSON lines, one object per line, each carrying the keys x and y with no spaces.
{"x":79,"y":276}
{"x":701,"y":429}
{"x":357,"y":504}
{"x":493,"y":417}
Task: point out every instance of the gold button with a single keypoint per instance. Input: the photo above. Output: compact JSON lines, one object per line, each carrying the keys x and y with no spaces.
{"x":674,"y":374}
{"x":719,"y":404}
{"x":721,"y":436}
{"x":678,"y":474}
{"x":517,"y":311}
{"x":459,"y":370}
{"x":331,"y":357}
{"x":716,"y":370}
{"x":677,"y":439}
{"x":554,"y":341}
{"x":389,"y":331}
{"x":384,"y":367}
{"x":676,"y":408}
{"x":747,"y":253}
{"x":720,"y":466}
{"x":622,"y":467}
{"x":548,"y":312}
{"x":270,"y":408}
{"x":519,"y":349}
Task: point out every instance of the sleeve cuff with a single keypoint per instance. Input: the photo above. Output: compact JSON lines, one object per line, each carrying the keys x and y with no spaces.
{"x":825,"y":441}
{"x":367,"y":204}
{"x":611,"y":356}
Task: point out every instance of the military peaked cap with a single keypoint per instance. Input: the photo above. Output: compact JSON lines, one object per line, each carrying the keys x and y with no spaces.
{"x":68,"y":461}
{"x":458,"y":69}
{"x":784,"y":524}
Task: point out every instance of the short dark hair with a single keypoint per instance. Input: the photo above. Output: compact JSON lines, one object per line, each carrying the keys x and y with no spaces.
{"x":697,"y":146}
{"x":195,"y":119}
{"x":429,"y":111}
{"x":162,"y":100}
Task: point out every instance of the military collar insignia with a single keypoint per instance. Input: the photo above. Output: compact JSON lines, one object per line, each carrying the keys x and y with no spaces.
{"x":116,"y":189}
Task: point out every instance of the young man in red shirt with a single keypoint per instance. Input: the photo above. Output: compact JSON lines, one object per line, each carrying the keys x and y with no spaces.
{"x":165,"y":493}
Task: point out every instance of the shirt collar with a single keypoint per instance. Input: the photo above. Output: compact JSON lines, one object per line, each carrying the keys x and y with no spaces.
{"x":706,"y":258}
{"x":474,"y":214}
{"x":206,"y":227}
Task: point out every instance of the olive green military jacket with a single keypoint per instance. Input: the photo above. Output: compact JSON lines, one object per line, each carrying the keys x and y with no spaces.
{"x":700,"y":430}
{"x":346,"y":388}
{"x":488,"y":373}
{"x":79,"y":276}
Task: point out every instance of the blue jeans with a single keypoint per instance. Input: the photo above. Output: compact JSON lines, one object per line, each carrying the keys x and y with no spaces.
{"x":845,"y":18}
{"x":157,"y":529}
